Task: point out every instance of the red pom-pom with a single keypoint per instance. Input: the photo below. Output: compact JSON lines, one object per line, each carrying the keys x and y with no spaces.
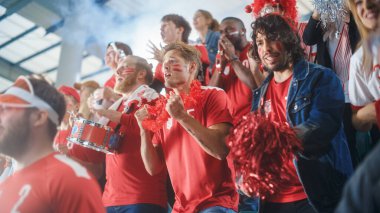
{"x":157,"y":113}
{"x":248,"y":9}
{"x":261,"y":150}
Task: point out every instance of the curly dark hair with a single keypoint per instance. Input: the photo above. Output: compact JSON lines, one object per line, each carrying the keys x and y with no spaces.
{"x":278,"y":28}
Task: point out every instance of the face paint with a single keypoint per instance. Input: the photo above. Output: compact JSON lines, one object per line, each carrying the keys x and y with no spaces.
{"x":278,"y":46}
{"x":233,"y":33}
{"x":177,"y":68}
{"x":127,"y":70}
{"x":174,"y":65}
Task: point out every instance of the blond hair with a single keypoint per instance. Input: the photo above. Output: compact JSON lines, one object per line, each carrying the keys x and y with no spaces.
{"x":214,"y":25}
{"x":367,"y":61}
{"x":188,"y":52}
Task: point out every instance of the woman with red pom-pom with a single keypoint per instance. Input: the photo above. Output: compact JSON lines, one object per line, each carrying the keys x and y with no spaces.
{"x":306,"y":100}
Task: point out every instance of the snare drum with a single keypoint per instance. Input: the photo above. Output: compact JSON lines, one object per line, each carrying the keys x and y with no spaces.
{"x":94,"y":136}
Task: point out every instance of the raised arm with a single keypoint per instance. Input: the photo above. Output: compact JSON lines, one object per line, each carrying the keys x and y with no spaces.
{"x":152,"y":155}
{"x":313,"y":32}
{"x":245,"y":74}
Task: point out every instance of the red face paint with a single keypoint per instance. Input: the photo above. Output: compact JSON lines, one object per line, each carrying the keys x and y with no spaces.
{"x":177,"y":67}
{"x":278,"y":46}
{"x":127,"y":70}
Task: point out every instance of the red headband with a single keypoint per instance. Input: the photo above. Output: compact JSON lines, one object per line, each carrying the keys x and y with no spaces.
{"x":69,"y":91}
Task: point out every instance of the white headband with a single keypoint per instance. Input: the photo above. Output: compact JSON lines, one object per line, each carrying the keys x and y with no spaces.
{"x":33,"y":101}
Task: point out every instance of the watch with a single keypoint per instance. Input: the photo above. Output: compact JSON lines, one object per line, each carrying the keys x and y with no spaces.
{"x":234,"y":58}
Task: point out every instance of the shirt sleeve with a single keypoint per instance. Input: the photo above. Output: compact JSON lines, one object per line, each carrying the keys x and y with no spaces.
{"x":110,"y":83}
{"x":75,"y":192}
{"x":357,"y":88}
{"x":218,"y":107}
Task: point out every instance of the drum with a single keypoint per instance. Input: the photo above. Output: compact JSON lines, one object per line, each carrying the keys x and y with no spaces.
{"x":94,"y":136}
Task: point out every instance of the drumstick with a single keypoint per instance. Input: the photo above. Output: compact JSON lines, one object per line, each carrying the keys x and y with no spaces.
{"x":121,"y":52}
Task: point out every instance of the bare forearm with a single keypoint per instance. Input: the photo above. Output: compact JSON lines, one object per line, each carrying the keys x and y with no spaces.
{"x":244,"y":74}
{"x":216,"y":80}
{"x":153,"y":162}
{"x":212,"y":141}
{"x":365,"y":117}
{"x":258,"y":77}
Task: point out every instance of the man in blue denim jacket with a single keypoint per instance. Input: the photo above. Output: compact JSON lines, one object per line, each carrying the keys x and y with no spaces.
{"x":310,"y":99}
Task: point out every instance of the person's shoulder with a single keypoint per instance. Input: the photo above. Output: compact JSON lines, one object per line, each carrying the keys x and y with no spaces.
{"x":211,"y":93}
{"x":212,"y":90}
{"x":313,"y":70}
{"x":61,"y":167}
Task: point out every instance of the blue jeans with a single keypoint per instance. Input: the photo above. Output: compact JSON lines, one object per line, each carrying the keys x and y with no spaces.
{"x":137,"y":208}
{"x":217,"y":209}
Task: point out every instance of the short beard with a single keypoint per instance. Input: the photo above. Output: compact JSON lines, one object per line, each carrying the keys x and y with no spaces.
{"x":279,"y":67}
{"x":126,"y":85}
{"x":16,"y":135}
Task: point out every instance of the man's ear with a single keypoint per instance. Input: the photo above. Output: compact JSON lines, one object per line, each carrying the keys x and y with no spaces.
{"x":141,"y":74}
{"x":193,"y":67}
{"x":243,"y":31}
{"x":39,"y":118}
{"x":181,"y":30}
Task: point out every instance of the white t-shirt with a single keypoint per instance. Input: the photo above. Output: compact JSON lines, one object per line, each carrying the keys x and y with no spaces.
{"x":364,"y":85}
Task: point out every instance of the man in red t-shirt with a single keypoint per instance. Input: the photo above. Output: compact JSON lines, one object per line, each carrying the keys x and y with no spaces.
{"x":45,"y":181}
{"x":309,"y":98}
{"x":129,"y":187}
{"x":232,"y":68}
{"x":176,"y":28}
{"x":191,"y":144}
{"x":91,"y":159}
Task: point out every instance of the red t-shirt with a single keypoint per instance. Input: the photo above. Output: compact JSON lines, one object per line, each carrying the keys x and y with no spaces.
{"x":54,"y":183}
{"x":239,"y":93}
{"x":60,"y":137}
{"x":275,"y":108}
{"x":110,"y":82}
{"x":127,"y":180}
{"x":199,"y":180}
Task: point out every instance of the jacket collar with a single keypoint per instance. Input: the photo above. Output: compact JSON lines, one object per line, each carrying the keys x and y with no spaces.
{"x":301,"y":70}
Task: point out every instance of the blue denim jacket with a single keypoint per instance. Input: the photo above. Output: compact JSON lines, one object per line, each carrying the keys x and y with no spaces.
{"x":314,"y":109}
{"x":211,"y":43}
